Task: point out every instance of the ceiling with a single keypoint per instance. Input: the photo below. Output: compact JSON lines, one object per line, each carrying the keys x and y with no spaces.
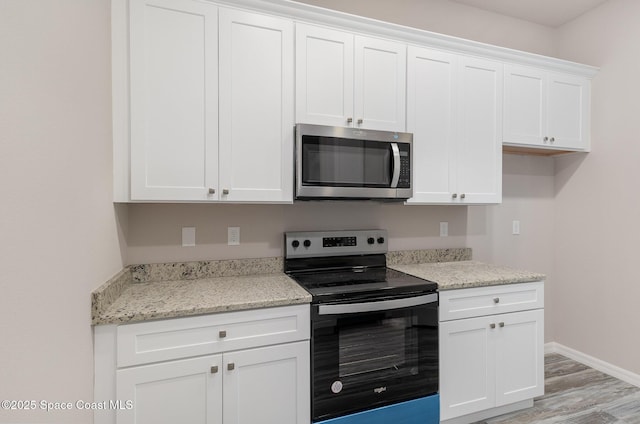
{"x":551,"y":13}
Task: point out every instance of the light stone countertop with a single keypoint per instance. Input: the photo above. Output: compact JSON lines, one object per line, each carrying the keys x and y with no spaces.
{"x":181,"y":298}
{"x":156,"y":291}
{"x":467,"y":274}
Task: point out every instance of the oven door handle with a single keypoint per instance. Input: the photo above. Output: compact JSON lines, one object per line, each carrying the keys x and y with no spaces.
{"x":384,"y":305}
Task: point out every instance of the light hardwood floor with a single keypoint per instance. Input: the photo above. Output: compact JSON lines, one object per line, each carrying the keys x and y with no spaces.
{"x":577,"y":394}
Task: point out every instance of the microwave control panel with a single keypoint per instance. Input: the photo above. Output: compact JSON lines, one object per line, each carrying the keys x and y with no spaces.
{"x":405,"y":166}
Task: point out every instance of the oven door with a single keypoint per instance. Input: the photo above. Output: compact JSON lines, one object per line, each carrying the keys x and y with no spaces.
{"x":366,"y":355}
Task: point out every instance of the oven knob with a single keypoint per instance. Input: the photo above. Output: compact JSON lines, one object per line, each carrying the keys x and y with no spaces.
{"x":380,"y":240}
{"x":307,"y":243}
{"x":370,"y":240}
{"x":295,"y":243}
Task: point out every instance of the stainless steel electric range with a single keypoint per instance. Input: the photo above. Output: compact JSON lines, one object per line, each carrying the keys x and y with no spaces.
{"x":374,"y":343}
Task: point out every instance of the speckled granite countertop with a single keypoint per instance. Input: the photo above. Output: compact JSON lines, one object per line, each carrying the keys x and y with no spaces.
{"x":146,"y":292}
{"x":155,"y":291}
{"x":467,"y":274}
{"x":179,"y":298}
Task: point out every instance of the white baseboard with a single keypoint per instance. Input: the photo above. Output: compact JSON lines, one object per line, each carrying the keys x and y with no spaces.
{"x":595,"y":363}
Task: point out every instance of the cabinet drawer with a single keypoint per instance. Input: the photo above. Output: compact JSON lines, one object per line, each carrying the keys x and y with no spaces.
{"x":177,"y":338}
{"x":481,"y":301}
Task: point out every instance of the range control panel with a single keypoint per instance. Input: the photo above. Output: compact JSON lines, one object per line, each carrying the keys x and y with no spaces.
{"x":334,"y":243}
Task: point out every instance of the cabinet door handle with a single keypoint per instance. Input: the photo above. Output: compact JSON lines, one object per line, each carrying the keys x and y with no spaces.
{"x":545,"y":139}
{"x":231,"y":366}
{"x":501,"y":324}
{"x":492,"y":325}
{"x":225,"y":191}
{"x":496,"y":300}
{"x":553,"y":139}
{"x":214,"y":369}
{"x":454,"y":195}
{"x":212,"y":191}
{"x":222,"y":334}
{"x":360,"y":121}
{"x":349,"y":120}
{"x":462,"y":196}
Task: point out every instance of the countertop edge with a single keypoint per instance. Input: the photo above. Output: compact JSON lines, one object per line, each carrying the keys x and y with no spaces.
{"x":184,"y":313}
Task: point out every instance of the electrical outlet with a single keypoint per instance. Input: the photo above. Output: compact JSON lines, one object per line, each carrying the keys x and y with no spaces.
{"x":233,"y":236}
{"x":444,"y":229}
{"x":515,"y":228}
{"x":188,"y":236}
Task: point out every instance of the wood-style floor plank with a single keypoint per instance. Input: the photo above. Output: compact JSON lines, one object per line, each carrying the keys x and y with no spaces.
{"x":577,"y":394}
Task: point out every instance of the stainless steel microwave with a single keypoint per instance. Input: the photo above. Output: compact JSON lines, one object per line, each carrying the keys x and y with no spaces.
{"x":352,"y":163}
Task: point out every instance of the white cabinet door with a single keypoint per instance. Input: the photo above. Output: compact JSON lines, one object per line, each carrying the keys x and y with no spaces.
{"x":520,"y":356}
{"x":186,"y":391}
{"x":479,"y":147}
{"x":347,"y":80}
{"x":431,"y":89}
{"x":545,"y":109}
{"x":256,"y":107}
{"x":467,"y":367}
{"x":569,"y":100}
{"x":380,"y":84}
{"x":268,"y":385}
{"x":490,"y":361}
{"x":525,"y":105}
{"x":324,"y":76}
{"x":174,"y":99}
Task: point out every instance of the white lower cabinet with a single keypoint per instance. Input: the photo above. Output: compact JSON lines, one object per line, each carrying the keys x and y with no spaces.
{"x":185,"y":391}
{"x":489,"y":361}
{"x":266,"y":385}
{"x":230,"y":368}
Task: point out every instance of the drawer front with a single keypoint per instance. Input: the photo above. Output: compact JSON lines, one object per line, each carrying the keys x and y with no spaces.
{"x":164,"y":340}
{"x":482,"y":301}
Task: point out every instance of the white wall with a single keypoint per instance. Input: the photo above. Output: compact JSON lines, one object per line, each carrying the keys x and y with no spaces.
{"x":59,"y":238}
{"x":597,"y":202}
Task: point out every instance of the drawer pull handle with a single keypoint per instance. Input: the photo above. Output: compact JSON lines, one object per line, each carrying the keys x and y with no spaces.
{"x":492,"y":325}
{"x":231,"y":366}
{"x":496,"y":300}
{"x":501,"y":324}
{"x":222,"y":334}
{"x":214,"y":369}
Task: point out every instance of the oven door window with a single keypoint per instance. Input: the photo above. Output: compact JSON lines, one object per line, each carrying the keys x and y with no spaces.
{"x":337,"y":162}
{"x":372,"y":359}
{"x":382,"y":349}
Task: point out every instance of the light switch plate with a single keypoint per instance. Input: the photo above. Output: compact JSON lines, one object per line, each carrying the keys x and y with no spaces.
{"x":515,"y":228}
{"x":188,"y":236}
{"x":233,"y":236}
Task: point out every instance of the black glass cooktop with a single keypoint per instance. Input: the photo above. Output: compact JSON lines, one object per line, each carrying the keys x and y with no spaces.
{"x":360,"y":283}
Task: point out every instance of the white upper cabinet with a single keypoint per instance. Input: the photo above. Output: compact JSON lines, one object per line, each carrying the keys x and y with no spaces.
{"x":324,"y":76}
{"x":256,"y":107}
{"x":546,"y":109}
{"x":174,"y":99}
{"x":211,"y":103}
{"x":348,"y":80}
{"x":380,"y":84}
{"x":431,"y":117}
{"x":206,"y":97}
{"x":479,"y":149}
{"x":455,"y":114}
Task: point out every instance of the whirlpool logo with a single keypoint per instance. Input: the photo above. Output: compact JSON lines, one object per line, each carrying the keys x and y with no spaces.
{"x":379,"y":390}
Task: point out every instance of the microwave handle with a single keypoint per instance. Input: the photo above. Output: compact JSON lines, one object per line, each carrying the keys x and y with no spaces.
{"x":385,"y":305}
{"x":396,"y":165}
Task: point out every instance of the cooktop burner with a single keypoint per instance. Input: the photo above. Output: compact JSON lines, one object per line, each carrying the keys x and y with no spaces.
{"x":347,"y":265}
